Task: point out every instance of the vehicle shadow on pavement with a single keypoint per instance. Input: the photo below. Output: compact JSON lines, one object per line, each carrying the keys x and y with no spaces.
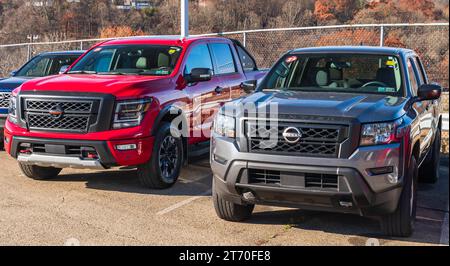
{"x":432,"y":207}
{"x":194,"y":180}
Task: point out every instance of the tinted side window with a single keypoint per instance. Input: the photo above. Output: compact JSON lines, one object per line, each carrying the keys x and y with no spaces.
{"x":412,"y":78}
{"x":246,"y":60}
{"x":199,"y":57}
{"x":58,"y":62}
{"x":224,"y":58}
{"x":420,"y":70}
{"x":39,"y":69}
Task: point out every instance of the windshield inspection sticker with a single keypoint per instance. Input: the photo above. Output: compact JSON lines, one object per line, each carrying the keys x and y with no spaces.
{"x":162,"y":72}
{"x":391,"y":63}
{"x":174,"y":50}
{"x":385,"y":89}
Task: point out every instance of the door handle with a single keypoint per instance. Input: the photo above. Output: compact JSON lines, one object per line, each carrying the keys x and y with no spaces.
{"x":219,"y":90}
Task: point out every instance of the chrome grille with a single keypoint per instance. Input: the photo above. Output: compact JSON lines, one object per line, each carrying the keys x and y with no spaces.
{"x":76,"y":115}
{"x":316,"y":139}
{"x":4,"y":99}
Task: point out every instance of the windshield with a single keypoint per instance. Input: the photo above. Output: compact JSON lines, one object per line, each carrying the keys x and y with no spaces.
{"x":129,"y":60}
{"x":46,"y":65}
{"x":355,"y":73}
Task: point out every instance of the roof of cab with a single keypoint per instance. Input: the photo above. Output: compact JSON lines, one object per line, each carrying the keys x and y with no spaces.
{"x":173,"y":40}
{"x":74,"y":52}
{"x":354,"y":49}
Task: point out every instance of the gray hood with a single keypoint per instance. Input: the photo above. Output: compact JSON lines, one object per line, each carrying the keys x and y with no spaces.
{"x":361,"y":107}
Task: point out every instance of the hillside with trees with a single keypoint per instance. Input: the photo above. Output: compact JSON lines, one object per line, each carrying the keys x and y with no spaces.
{"x":64,"y":20}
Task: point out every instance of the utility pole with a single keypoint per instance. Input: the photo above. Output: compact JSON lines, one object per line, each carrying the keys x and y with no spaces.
{"x":184,"y":18}
{"x":32,"y":38}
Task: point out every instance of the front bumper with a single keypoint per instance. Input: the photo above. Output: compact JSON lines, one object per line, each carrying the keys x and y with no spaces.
{"x":55,"y":152}
{"x":357,"y":190}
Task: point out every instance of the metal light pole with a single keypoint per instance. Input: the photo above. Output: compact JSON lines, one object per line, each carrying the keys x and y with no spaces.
{"x":184,"y":18}
{"x":32,"y":38}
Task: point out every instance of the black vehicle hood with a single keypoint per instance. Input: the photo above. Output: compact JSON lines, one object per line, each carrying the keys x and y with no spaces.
{"x":13,"y":82}
{"x":362,"y":107}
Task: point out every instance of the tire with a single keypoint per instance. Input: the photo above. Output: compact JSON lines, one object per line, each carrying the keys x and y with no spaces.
{"x":230,"y":211}
{"x":39,"y":172}
{"x":429,"y":171}
{"x":401,"y":222}
{"x":2,"y":143}
{"x":164,"y":166}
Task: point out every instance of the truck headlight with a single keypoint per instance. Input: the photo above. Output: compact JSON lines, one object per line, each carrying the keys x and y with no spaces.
{"x":12,"y":110}
{"x":380,"y":133}
{"x":225,"y":125}
{"x":130,"y":113}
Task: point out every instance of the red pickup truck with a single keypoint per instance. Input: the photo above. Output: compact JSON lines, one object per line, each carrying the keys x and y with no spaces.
{"x":143,"y":102}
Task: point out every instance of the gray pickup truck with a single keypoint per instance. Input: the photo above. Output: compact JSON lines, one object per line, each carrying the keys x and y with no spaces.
{"x":342,"y":129}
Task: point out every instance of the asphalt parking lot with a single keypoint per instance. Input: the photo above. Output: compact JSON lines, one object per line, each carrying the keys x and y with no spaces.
{"x":111,"y":208}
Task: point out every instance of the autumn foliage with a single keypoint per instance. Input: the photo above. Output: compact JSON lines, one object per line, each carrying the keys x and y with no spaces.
{"x":119,"y":31}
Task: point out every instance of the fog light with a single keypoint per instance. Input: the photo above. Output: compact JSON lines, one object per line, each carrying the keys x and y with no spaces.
{"x":249,"y":196}
{"x":126,"y":147}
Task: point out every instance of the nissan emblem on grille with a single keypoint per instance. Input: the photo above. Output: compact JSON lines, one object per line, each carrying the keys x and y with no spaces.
{"x":56,"y":112}
{"x":292,"y":135}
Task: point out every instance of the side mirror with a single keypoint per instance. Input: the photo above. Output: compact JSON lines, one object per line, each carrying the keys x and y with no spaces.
{"x":63,"y":69}
{"x":249,"y":86}
{"x":13,"y":73}
{"x":429,"y":92}
{"x":199,"y":75}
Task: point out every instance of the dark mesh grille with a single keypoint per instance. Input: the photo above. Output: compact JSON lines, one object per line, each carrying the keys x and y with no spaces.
{"x":257,"y":176}
{"x":315,"y":140}
{"x":321,"y":181}
{"x":45,"y":106}
{"x":4,"y":99}
{"x":309,"y":181}
{"x":67,"y":122}
{"x":76,"y":115}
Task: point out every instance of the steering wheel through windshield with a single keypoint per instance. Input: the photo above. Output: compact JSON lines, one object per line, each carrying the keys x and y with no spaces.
{"x":382,"y":84}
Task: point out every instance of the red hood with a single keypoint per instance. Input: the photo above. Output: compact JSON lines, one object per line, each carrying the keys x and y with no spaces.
{"x":117,"y":85}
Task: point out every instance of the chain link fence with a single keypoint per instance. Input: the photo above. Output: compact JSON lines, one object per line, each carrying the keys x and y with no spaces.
{"x":430,"y":41}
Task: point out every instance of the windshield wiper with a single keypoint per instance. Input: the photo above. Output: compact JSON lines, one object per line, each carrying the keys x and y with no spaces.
{"x":82,"y":72}
{"x":112,"y":73}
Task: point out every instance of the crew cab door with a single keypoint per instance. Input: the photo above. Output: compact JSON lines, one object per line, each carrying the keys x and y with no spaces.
{"x":424,"y":108}
{"x":203,"y":99}
{"x":226,"y":68}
